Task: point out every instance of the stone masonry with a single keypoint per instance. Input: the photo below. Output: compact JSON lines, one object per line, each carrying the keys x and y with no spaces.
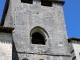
{"x":5,"y":43}
{"x":28,"y":18}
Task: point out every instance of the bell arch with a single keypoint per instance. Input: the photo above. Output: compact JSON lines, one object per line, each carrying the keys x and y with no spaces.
{"x":24,"y":59}
{"x":39,"y":35}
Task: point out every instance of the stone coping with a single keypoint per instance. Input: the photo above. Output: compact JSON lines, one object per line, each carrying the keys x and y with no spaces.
{"x":6,"y":29}
{"x":74,"y":39}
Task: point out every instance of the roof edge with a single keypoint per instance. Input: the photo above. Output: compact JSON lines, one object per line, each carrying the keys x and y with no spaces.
{"x":75,"y":39}
{"x":6,"y":29}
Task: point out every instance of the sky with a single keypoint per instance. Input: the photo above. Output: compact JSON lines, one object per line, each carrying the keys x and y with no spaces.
{"x":71,"y":10}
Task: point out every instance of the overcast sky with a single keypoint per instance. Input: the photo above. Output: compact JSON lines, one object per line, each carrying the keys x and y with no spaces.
{"x":71,"y":13}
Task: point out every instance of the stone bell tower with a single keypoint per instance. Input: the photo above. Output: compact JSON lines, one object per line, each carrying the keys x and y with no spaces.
{"x":39,"y":32}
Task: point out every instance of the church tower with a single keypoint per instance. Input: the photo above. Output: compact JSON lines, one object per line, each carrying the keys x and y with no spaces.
{"x":40,"y":32}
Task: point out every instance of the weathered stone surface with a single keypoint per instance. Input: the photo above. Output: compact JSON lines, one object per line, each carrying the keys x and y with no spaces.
{"x":44,"y":57}
{"x":74,"y":48}
{"x":24,"y":17}
{"x":5,"y":46}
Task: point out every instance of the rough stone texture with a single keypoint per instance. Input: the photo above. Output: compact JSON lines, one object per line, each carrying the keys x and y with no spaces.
{"x":5,"y":46}
{"x":76,"y":50}
{"x":24,"y":17}
{"x":44,"y":57}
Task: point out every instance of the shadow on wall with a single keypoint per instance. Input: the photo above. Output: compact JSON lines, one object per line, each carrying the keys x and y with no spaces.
{"x":5,"y":42}
{"x":14,"y":53}
{"x":5,"y":38}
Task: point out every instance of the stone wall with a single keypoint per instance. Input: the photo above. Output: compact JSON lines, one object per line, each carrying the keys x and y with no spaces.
{"x":24,"y":17}
{"x":76,"y":45}
{"x":5,"y":46}
{"x":42,"y":57}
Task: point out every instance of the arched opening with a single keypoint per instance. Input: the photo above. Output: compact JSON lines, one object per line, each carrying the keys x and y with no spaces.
{"x":41,"y":59}
{"x":38,"y":38}
{"x":39,"y":35}
{"x":24,"y":59}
